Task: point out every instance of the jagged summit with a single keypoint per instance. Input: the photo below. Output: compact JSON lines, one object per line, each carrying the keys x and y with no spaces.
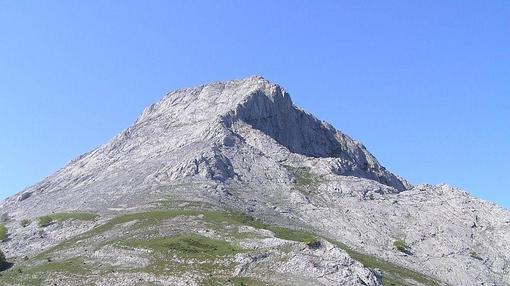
{"x":243,"y":145}
{"x":201,"y":131}
{"x":266,"y":107}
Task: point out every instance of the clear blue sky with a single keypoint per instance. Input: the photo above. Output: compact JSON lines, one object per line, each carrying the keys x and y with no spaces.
{"x":425,"y":85}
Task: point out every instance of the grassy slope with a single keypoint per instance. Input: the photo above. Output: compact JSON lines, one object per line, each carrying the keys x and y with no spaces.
{"x":46,"y":220}
{"x":186,"y":246}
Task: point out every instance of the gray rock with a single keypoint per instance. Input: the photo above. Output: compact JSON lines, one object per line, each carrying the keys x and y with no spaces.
{"x":24,"y":196}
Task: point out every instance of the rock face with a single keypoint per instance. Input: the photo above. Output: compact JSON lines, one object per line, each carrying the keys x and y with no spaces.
{"x":242,"y":145}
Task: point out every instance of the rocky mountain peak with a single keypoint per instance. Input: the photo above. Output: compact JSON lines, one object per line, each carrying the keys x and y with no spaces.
{"x":212,"y":131}
{"x":209,"y":100}
{"x":215,"y":108}
{"x":209,"y":164}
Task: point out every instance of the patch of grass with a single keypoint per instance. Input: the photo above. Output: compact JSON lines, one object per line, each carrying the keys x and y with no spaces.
{"x":39,"y":273}
{"x":281,"y":232}
{"x":208,"y":252}
{"x":155,"y":217}
{"x":211,"y":269}
{"x":313,"y":242}
{"x":24,"y":222}
{"x":393,"y":275}
{"x":3,"y":232}
{"x":187,"y":245}
{"x":46,"y":220}
{"x":400,"y":245}
{"x":293,"y":234}
{"x":147,"y":218}
{"x":304,"y":178}
{"x":17,"y":276}
{"x":73,"y":265}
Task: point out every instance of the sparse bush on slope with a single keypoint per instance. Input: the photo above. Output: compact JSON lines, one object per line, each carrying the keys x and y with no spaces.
{"x":24,"y":222}
{"x":400,"y":245}
{"x":3,"y":232}
{"x":44,"y":221}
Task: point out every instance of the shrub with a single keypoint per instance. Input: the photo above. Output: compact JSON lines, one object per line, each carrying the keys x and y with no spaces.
{"x":400,"y":245}
{"x":3,"y":232}
{"x":24,"y":222}
{"x":304,"y":178}
{"x":292,"y":234}
{"x":44,"y":221}
{"x":312,"y":242}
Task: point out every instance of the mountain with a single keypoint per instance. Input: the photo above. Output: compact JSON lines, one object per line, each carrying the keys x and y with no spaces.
{"x":230,"y":183}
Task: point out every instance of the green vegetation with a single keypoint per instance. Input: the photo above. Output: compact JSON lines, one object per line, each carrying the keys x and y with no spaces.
{"x":3,"y":232}
{"x":219,"y":218}
{"x":24,"y":222}
{"x":73,"y":265}
{"x":37,"y":274}
{"x":281,"y":232}
{"x":313,"y":242}
{"x":145,"y":219}
{"x":393,"y":275}
{"x":294,"y":235}
{"x":400,"y":245}
{"x":185,"y":252}
{"x":304,"y":178}
{"x":187,"y":245}
{"x":46,"y":220}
